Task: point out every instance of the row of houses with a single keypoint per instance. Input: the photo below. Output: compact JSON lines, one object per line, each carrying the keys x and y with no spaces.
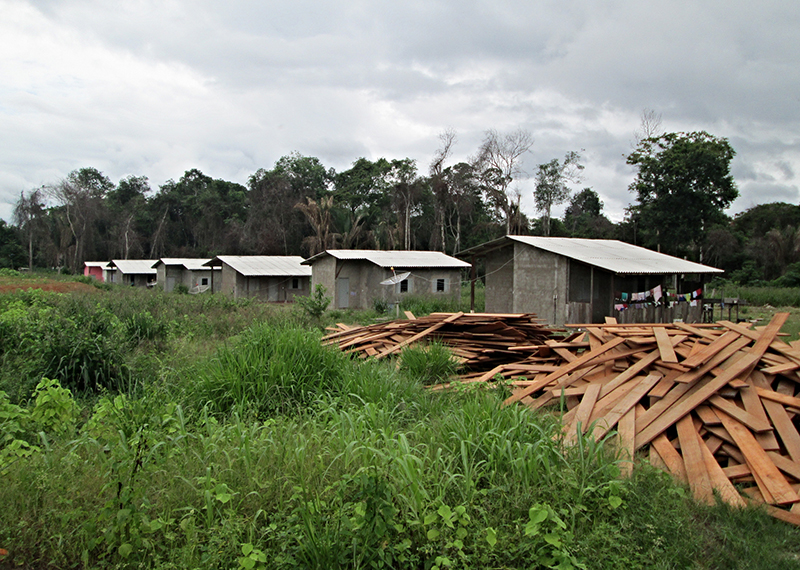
{"x":562,"y":280}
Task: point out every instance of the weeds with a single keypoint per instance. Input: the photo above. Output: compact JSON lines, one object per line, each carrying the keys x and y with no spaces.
{"x":272,"y":452}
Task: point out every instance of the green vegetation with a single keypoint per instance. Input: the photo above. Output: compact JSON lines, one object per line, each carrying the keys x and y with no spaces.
{"x":225,"y":436}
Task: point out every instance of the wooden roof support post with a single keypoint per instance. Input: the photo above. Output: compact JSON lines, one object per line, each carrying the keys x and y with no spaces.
{"x":472,"y":277}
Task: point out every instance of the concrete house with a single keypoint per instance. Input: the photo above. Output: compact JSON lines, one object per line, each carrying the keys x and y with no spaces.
{"x":355,"y":277}
{"x":192,"y":273}
{"x":95,"y":269}
{"x":276,"y":278}
{"x":573,"y":280}
{"x":133,"y":272}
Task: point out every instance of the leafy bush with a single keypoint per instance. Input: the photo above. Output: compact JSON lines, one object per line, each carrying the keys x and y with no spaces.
{"x":180,"y":289}
{"x":314,"y":305}
{"x":7,"y":272}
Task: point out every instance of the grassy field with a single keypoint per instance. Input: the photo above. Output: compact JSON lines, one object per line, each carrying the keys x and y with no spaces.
{"x":149,"y":430}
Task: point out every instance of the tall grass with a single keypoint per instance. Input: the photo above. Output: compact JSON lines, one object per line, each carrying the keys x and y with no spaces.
{"x":775,"y":296}
{"x":308,"y":458}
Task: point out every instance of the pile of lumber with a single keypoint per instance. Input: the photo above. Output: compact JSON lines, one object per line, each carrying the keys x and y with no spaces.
{"x":715,"y":405}
{"x":478,"y":340}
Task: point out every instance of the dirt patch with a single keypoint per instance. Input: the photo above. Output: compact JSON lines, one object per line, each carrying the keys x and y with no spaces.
{"x":15,"y":284}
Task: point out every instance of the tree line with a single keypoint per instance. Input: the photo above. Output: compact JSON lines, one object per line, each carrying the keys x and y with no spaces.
{"x":299,"y":207}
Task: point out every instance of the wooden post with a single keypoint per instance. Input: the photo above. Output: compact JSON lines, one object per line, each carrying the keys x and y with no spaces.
{"x":472,"y":277}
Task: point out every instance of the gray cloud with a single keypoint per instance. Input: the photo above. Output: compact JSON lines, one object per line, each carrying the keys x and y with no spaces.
{"x":155,"y":88}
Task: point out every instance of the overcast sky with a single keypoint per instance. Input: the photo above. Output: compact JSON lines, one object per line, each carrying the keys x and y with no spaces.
{"x":156,"y":87}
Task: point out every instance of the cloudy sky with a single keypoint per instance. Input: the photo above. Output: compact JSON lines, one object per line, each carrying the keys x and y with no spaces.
{"x":156,"y":87}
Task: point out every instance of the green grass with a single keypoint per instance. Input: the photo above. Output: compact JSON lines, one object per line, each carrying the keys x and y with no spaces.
{"x":237,"y":429}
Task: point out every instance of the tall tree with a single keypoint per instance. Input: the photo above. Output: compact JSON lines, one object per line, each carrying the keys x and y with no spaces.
{"x":551,"y":184}
{"x":683,"y":185}
{"x":362,"y":192}
{"x":500,"y":162}
{"x":127,"y":205}
{"x":584,"y":216}
{"x":12,"y":255}
{"x":30,"y":217}
{"x":441,"y":188}
{"x":80,"y":197}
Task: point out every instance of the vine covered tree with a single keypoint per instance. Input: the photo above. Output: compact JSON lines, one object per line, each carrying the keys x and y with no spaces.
{"x":683,"y":184}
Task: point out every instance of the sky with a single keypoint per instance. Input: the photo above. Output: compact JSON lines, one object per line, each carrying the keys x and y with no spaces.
{"x":157,"y":87}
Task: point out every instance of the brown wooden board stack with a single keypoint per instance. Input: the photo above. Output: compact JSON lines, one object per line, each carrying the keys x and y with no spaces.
{"x":717,"y":405}
{"x":479,"y":340}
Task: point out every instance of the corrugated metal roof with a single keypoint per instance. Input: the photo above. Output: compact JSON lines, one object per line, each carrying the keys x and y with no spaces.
{"x":192,"y":264}
{"x":397,"y":259}
{"x":137,"y":266}
{"x":616,"y":256}
{"x":267,"y":265}
{"x":96,"y":263}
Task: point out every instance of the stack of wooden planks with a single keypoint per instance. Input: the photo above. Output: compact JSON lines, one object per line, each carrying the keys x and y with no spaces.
{"x":715,"y":405}
{"x":479,"y":340}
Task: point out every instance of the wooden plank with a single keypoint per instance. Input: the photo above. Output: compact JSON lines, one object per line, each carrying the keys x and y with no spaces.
{"x":702,"y":391}
{"x":780,"y":419}
{"x":627,"y":437}
{"x":755,"y":423}
{"x":707,"y":415}
{"x":581,"y":418}
{"x":626,"y":403}
{"x":580,"y":362}
{"x":452,"y":318}
{"x":787,"y":465}
{"x":696,"y":331}
{"x":711,"y":350}
{"x":671,"y":457}
{"x":769,"y":479}
{"x":719,"y":481}
{"x":409,"y":315}
{"x":664,"y":345}
{"x":753,"y":406}
{"x":774,"y":396}
{"x":662,"y":388}
{"x":785,"y":516}
{"x":731,"y":351}
{"x":696,"y":471}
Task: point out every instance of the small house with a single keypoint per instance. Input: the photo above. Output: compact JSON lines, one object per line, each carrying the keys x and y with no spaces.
{"x":192,"y":273}
{"x":357,"y":278}
{"x":95,"y":269}
{"x":133,"y":272}
{"x":275,"y":278}
{"x":575,"y":280}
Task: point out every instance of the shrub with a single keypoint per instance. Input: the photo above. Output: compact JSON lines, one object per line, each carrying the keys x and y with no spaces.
{"x":180,"y":289}
{"x":316,"y":304}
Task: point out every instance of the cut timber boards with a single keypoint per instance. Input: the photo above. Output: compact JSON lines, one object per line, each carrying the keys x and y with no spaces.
{"x":714,"y":404}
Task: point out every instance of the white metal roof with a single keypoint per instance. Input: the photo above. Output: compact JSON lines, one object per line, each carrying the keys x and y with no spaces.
{"x":192,"y":264}
{"x":95,"y":263}
{"x":616,"y":256}
{"x":397,"y":259}
{"x":266,"y":265}
{"x":137,"y":266}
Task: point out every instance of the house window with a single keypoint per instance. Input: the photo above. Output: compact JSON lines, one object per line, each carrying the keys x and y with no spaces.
{"x":440,"y":285}
{"x":295,"y":283}
{"x":404,"y":286}
{"x":204,"y":281}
